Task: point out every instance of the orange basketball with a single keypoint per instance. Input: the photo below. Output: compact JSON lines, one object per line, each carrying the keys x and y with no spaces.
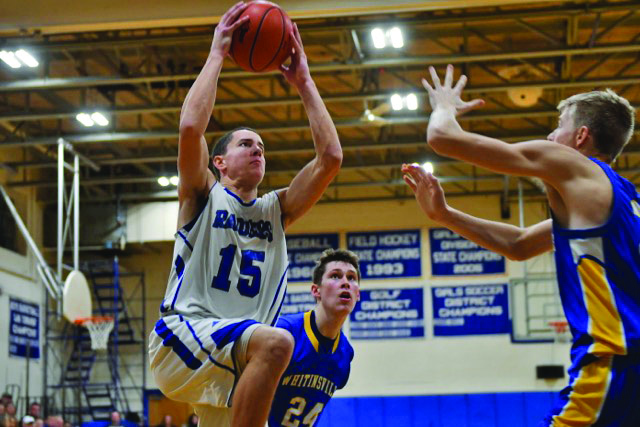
{"x":264,"y":42}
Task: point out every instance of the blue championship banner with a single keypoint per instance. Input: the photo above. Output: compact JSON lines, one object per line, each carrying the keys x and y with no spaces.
{"x":304,"y":250}
{"x":24,"y":329}
{"x":453,"y":255}
{"x":387,"y":254}
{"x":298,"y":302}
{"x":388,"y":313}
{"x":470,"y":310}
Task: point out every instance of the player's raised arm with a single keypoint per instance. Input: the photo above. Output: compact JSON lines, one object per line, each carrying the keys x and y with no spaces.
{"x":309,"y":184}
{"x":554,"y":163}
{"x":513,"y":242}
{"x":193,"y":155}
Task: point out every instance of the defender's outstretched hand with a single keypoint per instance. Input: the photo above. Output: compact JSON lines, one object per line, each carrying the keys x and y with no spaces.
{"x":297,"y":72}
{"x":427,"y":190}
{"x":448,"y":97}
{"x":229,"y":22}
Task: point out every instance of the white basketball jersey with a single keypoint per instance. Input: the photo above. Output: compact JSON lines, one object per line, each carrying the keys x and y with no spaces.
{"x":230,"y":261}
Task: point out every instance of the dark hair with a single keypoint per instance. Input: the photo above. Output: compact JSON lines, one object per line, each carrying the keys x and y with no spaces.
{"x":609,"y":117}
{"x":132,"y":416}
{"x":190,"y":422}
{"x":334,"y":255}
{"x":220,"y":148}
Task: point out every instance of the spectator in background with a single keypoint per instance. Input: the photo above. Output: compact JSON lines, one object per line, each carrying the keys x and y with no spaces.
{"x":28,"y":421}
{"x":10,"y":419}
{"x":34,"y":410}
{"x":39,"y":423}
{"x":6,"y":399}
{"x":54,"y":421}
{"x":192,"y":421}
{"x":2,"y":411}
{"x":132,"y":417}
{"x":66,"y":424}
{"x":167,"y":421}
{"x":115,"y":419}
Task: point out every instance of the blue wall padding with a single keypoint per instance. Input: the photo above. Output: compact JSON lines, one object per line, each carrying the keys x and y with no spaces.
{"x":524,"y":409}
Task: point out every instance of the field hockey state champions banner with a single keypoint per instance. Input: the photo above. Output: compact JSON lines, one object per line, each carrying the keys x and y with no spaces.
{"x":304,"y":250}
{"x":453,"y":255}
{"x":388,"y":313}
{"x":470,"y":310}
{"x":387,"y":254}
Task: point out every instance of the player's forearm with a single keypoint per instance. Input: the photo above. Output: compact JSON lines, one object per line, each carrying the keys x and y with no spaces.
{"x":447,"y":138}
{"x":495,"y":236}
{"x":323,"y":130}
{"x":198,"y":105}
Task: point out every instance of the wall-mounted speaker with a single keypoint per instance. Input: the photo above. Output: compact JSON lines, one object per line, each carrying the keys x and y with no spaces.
{"x":549,"y":372}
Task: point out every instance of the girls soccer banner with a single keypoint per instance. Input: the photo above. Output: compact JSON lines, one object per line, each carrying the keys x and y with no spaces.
{"x":453,"y":255}
{"x":388,"y":313}
{"x":304,"y":250}
{"x":387,"y":254}
{"x":470,"y":310}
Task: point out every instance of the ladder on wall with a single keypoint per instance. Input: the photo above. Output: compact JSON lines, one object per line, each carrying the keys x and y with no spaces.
{"x":97,"y":393}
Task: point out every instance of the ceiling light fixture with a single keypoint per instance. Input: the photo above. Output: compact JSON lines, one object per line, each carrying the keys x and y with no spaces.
{"x":10,"y":59}
{"x":26,"y":58}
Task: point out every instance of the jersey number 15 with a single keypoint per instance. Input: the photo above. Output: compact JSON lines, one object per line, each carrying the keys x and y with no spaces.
{"x":247,"y":287}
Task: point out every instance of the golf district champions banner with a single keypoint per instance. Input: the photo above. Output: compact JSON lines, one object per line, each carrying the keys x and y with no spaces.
{"x":470,"y":310}
{"x":304,"y":250}
{"x":388,"y":313}
{"x":453,"y":255}
{"x":298,"y":302}
{"x":387,"y":254}
{"x":24,"y":329}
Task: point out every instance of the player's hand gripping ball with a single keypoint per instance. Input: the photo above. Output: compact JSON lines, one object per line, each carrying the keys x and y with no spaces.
{"x":263,"y":43}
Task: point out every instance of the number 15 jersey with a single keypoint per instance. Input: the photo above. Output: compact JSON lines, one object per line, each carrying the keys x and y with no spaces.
{"x":230,"y":261}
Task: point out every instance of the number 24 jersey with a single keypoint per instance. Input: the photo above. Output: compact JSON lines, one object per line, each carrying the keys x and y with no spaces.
{"x":318,"y":368}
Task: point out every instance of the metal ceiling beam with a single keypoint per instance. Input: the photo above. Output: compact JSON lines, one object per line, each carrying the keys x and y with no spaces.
{"x":340,"y":24}
{"x":168,"y":196}
{"x":91,"y":138}
{"x":329,"y":98}
{"x":88,"y":182}
{"x":362,"y":146}
{"x":112,"y":137}
{"x":414,"y":61}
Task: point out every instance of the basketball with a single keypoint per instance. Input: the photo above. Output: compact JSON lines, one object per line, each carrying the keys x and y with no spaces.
{"x":264,"y":42}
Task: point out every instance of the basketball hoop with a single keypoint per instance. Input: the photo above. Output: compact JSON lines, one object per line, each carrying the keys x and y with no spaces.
{"x":561,"y":330}
{"x":99,"y":329}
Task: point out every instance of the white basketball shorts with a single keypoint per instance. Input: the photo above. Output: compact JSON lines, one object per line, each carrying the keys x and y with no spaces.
{"x":199,"y":361}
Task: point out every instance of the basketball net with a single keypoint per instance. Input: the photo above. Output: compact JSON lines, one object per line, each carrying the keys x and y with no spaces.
{"x":99,"y":330}
{"x":561,"y":331}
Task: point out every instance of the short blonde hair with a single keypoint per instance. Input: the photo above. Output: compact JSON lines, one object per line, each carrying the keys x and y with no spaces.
{"x":609,"y":117}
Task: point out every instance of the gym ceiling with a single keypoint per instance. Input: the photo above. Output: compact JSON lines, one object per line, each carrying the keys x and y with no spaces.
{"x":135,"y":61}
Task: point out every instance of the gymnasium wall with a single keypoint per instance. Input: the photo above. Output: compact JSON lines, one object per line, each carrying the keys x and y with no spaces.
{"x":489,"y":367}
{"x":18,"y":282}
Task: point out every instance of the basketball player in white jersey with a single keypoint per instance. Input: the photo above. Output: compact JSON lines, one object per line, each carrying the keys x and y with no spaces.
{"x":215,"y":346}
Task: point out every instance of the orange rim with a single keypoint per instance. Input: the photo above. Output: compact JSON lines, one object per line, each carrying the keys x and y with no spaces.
{"x":559,"y":326}
{"x":94,"y":319}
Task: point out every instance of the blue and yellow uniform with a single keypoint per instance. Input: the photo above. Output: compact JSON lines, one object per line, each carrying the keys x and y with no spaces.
{"x":599,"y":279}
{"x":319,"y":366}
